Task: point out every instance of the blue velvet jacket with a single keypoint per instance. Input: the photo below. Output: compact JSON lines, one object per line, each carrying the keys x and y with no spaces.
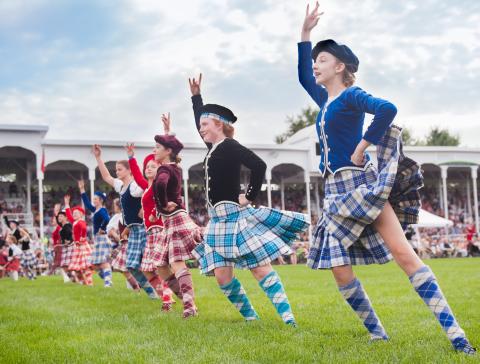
{"x":340,"y":122}
{"x":100,"y":216}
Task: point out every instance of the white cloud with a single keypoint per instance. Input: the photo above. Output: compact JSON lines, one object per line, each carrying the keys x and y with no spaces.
{"x":248,"y":56}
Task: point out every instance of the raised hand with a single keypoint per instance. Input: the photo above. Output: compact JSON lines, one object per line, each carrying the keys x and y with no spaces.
{"x":130,"y":148}
{"x":97,"y":150}
{"x":166,"y":123}
{"x":57,"y":208}
{"x":311,"y":20}
{"x":81,"y":186}
{"x":66,"y":200}
{"x":195,"y":85}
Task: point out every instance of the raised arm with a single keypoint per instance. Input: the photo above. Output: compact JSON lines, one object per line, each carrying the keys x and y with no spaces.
{"x":166,"y":121}
{"x":134,"y":168}
{"x":68,"y":212}
{"x":85,"y":199}
{"x":305,"y":63}
{"x":197,"y":102}
{"x":106,"y":176}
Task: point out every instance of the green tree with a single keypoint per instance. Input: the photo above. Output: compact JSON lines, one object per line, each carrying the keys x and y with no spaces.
{"x":407,"y":137}
{"x":307,"y":117}
{"x":441,"y":137}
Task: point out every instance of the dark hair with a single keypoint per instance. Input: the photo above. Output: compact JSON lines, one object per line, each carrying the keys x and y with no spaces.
{"x":175,"y":158}
{"x":124,"y":163}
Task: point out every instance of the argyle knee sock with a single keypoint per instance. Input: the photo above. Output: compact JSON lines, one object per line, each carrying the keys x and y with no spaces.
{"x":132,"y":281}
{"x":143,"y":283}
{"x":100,"y":273}
{"x":29,"y":273}
{"x":173,"y":284}
{"x":107,"y":277}
{"x":426,"y":285}
{"x":237,"y":295}
{"x":273,"y":287}
{"x":88,"y":277}
{"x":358,"y":300}
{"x":184,"y":278}
{"x":156,"y":283}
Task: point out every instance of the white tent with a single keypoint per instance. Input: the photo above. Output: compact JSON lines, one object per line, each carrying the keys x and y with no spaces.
{"x":429,"y":220}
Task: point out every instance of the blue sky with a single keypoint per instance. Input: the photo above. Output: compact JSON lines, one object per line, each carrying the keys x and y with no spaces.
{"x":109,"y":69}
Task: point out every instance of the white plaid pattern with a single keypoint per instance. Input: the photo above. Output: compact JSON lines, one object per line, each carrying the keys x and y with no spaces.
{"x":354,"y":199}
{"x":102,"y":248}
{"x":246,"y":237}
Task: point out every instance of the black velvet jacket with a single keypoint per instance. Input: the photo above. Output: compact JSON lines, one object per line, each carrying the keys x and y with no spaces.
{"x":66,"y":234}
{"x":222,"y":166}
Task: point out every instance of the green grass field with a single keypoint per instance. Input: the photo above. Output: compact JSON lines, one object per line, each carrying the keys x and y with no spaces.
{"x":47,"y":321}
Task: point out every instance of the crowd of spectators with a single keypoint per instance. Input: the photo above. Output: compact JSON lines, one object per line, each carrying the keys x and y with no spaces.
{"x":460,"y":241}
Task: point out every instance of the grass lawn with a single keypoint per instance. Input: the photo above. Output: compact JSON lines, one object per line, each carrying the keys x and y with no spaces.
{"x":47,"y":321}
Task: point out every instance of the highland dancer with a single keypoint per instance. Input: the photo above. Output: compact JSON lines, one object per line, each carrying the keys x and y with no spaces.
{"x":153,"y":224}
{"x":118,"y":234}
{"x":80,"y":259}
{"x":102,"y":247}
{"x":14,"y":255}
{"x":238,"y":235}
{"x":28,"y":260}
{"x":365,"y":212}
{"x":130,"y":201}
{"x":68,"y":246}
{"x":181,"y":234}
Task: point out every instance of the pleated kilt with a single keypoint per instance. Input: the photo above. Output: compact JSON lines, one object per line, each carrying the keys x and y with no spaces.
{"x":155,"y":235}
{"x":28,"y":259}
{"x":245,"y":237}
{"x":102,"y":249}
{"x":80,"y":256}
{"x":177,"y":241}
{"x":119,"y":257}
{"x":353,"y":200}
{"x":67,"y":253}
{"x":57,"y":255}
{"x":137,"y":239}
{"x":13,"y":265}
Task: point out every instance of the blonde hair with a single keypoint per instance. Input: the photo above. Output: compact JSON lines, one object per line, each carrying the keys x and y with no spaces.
{"x":228,"y":129}
{"x":348,"y":78}
{"x":12,"y":238}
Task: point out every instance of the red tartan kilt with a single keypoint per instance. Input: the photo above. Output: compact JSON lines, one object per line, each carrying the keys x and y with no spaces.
{"x":151,"y":258}
{"x":177,"y":240}
{"x":67,"y":252}
{"x":119,"y":257}
{"x":80,"y":256}
{"x":13,"y":265}
{"x":57,"y":259}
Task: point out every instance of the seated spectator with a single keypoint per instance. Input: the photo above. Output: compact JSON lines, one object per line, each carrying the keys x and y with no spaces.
{"x":446,"y":248}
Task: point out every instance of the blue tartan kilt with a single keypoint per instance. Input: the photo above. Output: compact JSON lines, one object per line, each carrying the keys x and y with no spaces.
{"x":28,"y":259}
{"x":137,"y":239}
{"x":102,"y":248}
{"x":245,"y":237}
{"x":354,"y":197}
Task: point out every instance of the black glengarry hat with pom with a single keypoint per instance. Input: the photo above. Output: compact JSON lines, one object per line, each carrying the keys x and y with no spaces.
{"x":218,"y":112}
{"x":341,"y":51}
